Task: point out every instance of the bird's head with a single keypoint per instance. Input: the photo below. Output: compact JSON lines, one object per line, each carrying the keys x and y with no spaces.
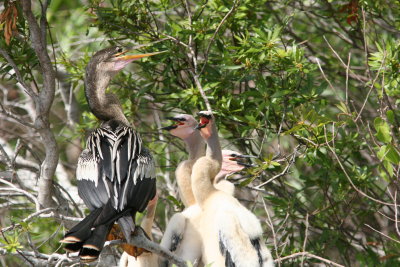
{"x":183,"y":125}
{"x":112,"y":59}
{"x":233,"y":161}
{"x":206,"y":120}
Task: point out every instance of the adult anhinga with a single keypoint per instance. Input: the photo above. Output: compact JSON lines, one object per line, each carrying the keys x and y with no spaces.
{"x":115,"y":173}
{"x":231,"y":234}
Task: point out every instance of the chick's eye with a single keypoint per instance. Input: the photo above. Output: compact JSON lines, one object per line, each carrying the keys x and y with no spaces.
{"x":119,"y":50}
{"x":233,"y":155}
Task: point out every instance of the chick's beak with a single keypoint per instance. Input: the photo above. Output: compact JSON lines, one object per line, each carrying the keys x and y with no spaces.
{"x":173,"y":126}
{"x":203,"y":123}
{"x":199,"y":126}
{"x":247,"y":165}
{"x":169,"y":128}
{"x":246,"y":156}
{"x":237,"y":158}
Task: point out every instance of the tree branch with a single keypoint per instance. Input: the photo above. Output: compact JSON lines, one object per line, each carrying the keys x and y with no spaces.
{"x":139,"y":239}
{"x":308,"y":255}
{"x":43,"y":103}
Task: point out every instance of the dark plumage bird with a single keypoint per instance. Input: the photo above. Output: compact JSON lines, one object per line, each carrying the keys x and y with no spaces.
{"x":115,"y":173}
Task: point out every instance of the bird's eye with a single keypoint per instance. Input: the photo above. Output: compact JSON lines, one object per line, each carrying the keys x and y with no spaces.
{"x":119,"y":50}
{"x":233,"y":155}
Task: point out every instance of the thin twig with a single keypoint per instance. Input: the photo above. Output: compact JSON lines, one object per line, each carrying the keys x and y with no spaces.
{"x":271,"y":226}
{"x":332,"y":149}
{"x":161,"y":137}
{"x":305,"y":240}
{"x":326,"y":78}
{"x":10,"y":61}
{"x":203,"y":94}
{"x":15,"y":118}
{"x":372,"y":228}
{"x":285,"y":170}
{"x":308,"y":255}
{"x":372,"y":87}
{"x":347,"y":79}
{"x":14,"y":188}
{"x":27,"y":219}
{"x":234,"y":6}
{"x":341,"y":61}
{"x":365,"y":41}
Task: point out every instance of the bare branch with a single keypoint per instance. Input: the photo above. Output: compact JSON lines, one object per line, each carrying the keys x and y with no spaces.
{"x":15,"y":189}
{"x":271,"y":226}
{"x":305,"y":240}
{"x":27,"y":219}
{"x":15,"y":118}
{"x":203,"y":94}
{"x":139,"y":239}
{"x":41,"y":259}
{"x":394,"y":240}
{"x":285,"y":170}
{"x":43,"y":103}
{"x":308,"y":255}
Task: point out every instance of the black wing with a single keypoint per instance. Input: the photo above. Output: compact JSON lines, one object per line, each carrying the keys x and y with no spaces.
{"x":115,"y":167}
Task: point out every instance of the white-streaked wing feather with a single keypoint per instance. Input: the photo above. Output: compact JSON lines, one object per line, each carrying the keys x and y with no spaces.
{"x":118,"y":161}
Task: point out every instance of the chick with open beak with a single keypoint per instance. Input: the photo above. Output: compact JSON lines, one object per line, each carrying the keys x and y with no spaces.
{"x":206,"y":119}
{"x":183,"y":126}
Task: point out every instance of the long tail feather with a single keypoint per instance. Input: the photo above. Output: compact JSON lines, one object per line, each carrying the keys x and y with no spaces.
{"x":92,"y":246}
{"x":81,"y":231}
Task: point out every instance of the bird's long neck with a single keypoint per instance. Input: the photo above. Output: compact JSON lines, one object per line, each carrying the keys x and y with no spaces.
{"x":196,"y":148}
{"x":195,"y":145}
{"x":206,"y":168}
{"x":104,"y":106}
{"x":214,"y":151}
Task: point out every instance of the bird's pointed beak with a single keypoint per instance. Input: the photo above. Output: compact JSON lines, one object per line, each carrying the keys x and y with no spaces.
{"x":122,"y":56}
{"x":200,"y":126}
{"x":121,"y":60}
{"x":246,"y":165}
{"x":237,"y":158}
{"x":169,"y":128}
{"x":171,"y":118}
{"x":203,"y":123}
{"x":246,"y":156}
{"x":173,"y":126}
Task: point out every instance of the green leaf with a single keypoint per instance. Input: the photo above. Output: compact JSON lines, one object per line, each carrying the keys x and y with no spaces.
{"x":342,"y":107}
{"x":175,"y":201}
{"x":388,"y":153}
{"x":390,"y":116}
{"x":247,"y":181}
{"x":382,"y":130}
